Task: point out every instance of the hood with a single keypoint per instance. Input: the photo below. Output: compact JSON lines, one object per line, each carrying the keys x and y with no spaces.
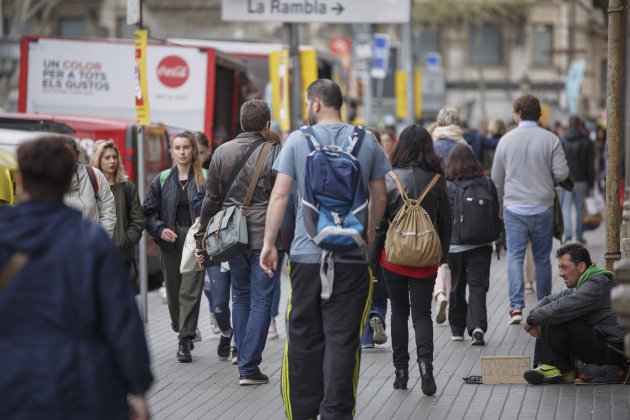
{"x":593,"y":270}
{"x":33,"y":226}
{"x":572,"y":134}
{"x":449,"y":132}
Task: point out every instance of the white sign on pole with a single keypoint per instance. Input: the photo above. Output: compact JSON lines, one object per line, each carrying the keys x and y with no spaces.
{"x":326,"y":11}
{"x":133,"y":12}
{"x":380,"y":56}
{"x":433,"y":62}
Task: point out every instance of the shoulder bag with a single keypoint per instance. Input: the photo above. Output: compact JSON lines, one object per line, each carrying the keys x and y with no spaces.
{"x":226,"y":235}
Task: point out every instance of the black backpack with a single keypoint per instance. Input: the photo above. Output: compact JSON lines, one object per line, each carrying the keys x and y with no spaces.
{"x":476,"y":212}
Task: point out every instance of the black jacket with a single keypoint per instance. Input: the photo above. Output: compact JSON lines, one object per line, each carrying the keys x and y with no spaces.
{"x":580,"y":155}
{"x":160,"y":203}
{"x":436,"y":203}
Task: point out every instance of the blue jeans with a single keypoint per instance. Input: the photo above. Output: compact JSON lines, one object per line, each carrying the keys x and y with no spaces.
{"x":379,"y":308}
{"x":519,"y":230}
{"x":217,"y":291}
{"x":580,"y":191}
{"x":252,"y":293}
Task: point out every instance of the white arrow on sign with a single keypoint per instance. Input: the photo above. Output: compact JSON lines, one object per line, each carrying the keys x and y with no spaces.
{"x":326,"y":11}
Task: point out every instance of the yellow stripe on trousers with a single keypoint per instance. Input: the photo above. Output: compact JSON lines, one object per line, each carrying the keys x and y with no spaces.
{"x":284,"y":385}
{"x":357,"y":363}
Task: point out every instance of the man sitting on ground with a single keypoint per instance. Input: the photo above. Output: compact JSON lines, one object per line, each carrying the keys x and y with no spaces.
{"x":576,"y":322}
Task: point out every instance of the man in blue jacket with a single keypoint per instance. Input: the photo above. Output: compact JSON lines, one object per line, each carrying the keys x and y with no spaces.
{"x":577,"y":322}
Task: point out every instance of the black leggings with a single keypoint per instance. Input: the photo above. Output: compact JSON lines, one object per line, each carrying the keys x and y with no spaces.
{"x":404,"y":290}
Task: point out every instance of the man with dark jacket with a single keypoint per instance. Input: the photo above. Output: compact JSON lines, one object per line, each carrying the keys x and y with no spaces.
{"x":252,"y":290}
{"x":576,"y":322}
{"x":579,"y":152}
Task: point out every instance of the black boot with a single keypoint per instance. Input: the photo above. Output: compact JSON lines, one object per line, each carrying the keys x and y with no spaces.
{"x":183,"y":350}
{"x":402,"y":376}
{"x":426,"y":373}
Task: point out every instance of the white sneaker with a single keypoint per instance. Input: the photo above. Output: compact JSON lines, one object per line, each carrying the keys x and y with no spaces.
{"x":272,"y":334}
{"x":478,"y":337}
{"x":455,"y":337}
{"x":213,"y":323}
{"x":197,"y":337}
{"x":163,"y":294}
{"x":380,"y":337}
{"x":440,"y":306}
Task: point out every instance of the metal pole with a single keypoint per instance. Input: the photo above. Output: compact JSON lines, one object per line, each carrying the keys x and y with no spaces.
{"x":407,"y":60}
{"x":613,"y":141}
{"x":296,"y":79}
{"x":142,"y":246}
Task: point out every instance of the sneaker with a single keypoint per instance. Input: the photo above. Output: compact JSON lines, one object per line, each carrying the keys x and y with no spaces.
{"x":440,"y":306}
{"x":234,"y":356}
{"x":478,"y":337}
{"x":272,"y":334}
{"x":515,"y":317}
{"x":253,"y":379}
{"x":163,"y":294}
{"x":223,"y":349}
{"x":197,"y":337}
{"x":380,"y":337}
{"x":183,"y":350}
{"x":548,"y":374}
{"x":367,"y":346}
{"x":457,"y":337}
{"x":213,"y":323}
{"x":529,"y":288}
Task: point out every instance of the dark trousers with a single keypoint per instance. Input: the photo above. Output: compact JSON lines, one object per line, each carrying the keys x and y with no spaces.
{"x":470,"y":268}
{"x":320,"y":368}
{"x":405,"y":294}
{"x":561,"y":343}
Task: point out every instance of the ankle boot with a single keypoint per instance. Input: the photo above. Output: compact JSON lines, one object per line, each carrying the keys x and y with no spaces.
{"x":402,"y":376}
{"x":426,"y":373}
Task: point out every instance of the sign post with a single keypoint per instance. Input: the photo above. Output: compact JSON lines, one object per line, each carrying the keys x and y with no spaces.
{"x":143,"y":117}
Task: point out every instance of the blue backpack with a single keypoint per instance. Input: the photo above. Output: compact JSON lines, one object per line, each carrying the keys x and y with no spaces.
{"x":334,"y":203}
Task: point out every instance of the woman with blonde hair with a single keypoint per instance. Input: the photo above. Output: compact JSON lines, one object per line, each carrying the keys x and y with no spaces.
{"x":130,"y":218}
{"x":170,"y":215}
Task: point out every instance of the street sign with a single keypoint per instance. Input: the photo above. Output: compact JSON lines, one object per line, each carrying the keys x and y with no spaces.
{"x":340,"y":45}
{"x":326,"y":11}
{"x":380,"y":56}
{"x":143,"y":115}
{"x":433,"y":62}
{"x":133,"y":12}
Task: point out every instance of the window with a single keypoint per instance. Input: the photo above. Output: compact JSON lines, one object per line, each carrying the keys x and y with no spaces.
{"x":542,"y":45}
{"x":428,"y":41}
{"x":484,"y":46}
{"x":123,"y":30}
{"x":71,"y":27}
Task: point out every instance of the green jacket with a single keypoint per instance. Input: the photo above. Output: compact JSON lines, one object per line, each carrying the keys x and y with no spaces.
{"x":128,"y":229}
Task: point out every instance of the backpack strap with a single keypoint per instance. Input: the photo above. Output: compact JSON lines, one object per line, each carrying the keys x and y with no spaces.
{"x":11,"y":268}
{"x":308,"y":132}
{"x":260,"y":162}
{"x":127,"y":187}
{"x":240,"y":165}
{"x":356,"y":140}
{"x":401,"y":190}
{"x":164,"y":176}
{"x":429,"y":187}
{"x":93,"y":180}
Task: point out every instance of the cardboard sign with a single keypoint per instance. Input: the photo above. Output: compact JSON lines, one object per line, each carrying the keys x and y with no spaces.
{"x":504,"y":369}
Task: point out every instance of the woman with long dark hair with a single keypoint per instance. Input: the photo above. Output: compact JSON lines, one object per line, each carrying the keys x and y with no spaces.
{"x":469,"y":262}
{"x":410,"y":288}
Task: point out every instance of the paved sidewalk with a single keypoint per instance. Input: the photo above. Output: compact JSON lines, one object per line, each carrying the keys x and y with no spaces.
{"x":208,"y":388}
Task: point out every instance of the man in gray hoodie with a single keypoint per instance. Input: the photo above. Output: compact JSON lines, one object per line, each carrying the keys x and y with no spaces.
{"x":528,"y":163}
{"x":576,"y":322}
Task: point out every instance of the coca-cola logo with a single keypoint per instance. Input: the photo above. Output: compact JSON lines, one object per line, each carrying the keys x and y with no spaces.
{"x":173,"y":71}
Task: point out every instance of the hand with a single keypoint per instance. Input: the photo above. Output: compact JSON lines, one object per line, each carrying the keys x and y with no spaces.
{"x":138,"y":409}
{"x":200,"y":257}
{"x":533,"y":330}
{"x":269,"y":259}
{"x":169,"y":236}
